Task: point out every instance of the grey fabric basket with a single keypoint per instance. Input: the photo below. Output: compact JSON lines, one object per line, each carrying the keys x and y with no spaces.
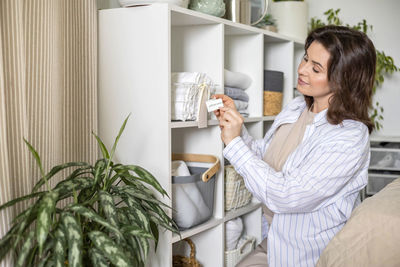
{"x":273,"y":81}
{"x":206,"y":188}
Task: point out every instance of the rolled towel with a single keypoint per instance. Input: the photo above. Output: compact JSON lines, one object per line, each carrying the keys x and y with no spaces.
{"x":240,"y":105}
{"x":236,"y":94}
{"x":233,"y":231}
{"x":237,"y":79}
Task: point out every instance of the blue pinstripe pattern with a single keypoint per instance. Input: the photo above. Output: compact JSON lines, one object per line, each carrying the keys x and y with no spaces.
{"x":317,"y":189}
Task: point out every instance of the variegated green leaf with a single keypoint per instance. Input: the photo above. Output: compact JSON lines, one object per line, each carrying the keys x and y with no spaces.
{"x":144,"y":176}
{"x":136,"y":211}
{"x":91,"y":215}
{"x":161,"y":223}
{"x":145,"y":247}
{"x":135,"y":251}
{"x":147,"y":198}
{"x":35,"y":155}
{"x":99,"y":169}
{"x":59,"y":168}
{"x":46,"y":208}
{"x":108,"y":207}
{"x":97,"y":258}
{"x":74,"y":237}
{"x":46,"y":261}
{"x":110,"y":249}
{"x":16,"y":200}
{"x":118,"y":136}
{"x":23,"y":225}
{"x":136,"y":231}
{"x":59,"y":247}
{"x":154,"y":231}
{"x":23,"y":253}
{"x":103,"y":148}
{"x":68,"y":186}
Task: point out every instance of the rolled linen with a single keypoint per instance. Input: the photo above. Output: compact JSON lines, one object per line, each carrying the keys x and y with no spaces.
{"x":237,"y":79}
{"x":233,"y":231}
{"x":236,"y":94}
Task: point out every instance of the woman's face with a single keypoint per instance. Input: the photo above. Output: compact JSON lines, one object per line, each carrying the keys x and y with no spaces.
{"x":313,"y":73}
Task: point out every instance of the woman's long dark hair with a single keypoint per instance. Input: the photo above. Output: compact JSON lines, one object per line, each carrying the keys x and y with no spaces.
{"x":351,"y":73}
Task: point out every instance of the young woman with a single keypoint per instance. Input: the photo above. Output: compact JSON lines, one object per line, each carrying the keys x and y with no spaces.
{"x":312,"y":163}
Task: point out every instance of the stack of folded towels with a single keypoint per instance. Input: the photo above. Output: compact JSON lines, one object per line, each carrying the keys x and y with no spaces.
{"x":186,"y":94}
{"x":235,"y":85}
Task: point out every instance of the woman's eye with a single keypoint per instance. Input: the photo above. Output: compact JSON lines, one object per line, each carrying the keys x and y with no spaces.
{"x":305,"y":58}
{"x":315,"y":70}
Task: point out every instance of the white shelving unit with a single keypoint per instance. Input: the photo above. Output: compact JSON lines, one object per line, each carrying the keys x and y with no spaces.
{"x":138,"y":49}
{"x":384,"y":166}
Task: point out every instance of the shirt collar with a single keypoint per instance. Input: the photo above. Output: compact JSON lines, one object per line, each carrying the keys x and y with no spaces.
{"x":319,"y":118}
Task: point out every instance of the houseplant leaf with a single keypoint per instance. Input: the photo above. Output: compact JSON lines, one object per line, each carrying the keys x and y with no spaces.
{"x":46,"y":209}
{"x":110,"y":249}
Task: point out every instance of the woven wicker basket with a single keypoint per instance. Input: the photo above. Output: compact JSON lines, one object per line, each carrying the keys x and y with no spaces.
{"x":272,"y":103}
{"x":236,"y":193}
{"x":183,"y":261}
{"x":232,"y":257}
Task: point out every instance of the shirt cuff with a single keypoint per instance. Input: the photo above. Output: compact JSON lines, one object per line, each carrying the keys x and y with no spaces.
{"x":237,"y":152}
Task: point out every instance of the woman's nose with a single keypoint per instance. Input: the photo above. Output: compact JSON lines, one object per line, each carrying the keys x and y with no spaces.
{"x":302,"y":69}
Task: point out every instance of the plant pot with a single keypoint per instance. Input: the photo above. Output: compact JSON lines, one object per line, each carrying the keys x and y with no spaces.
{"x":291,"y":18}
{"x":271,"y":28}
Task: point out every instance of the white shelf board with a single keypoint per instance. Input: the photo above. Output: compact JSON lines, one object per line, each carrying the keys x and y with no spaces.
{"x":241,"y":211}
{"x":252,"y":119}
{"x":187,"y":124}
{"x":382,"y":138}
{"x":186,"y":17}
{"x":197,"y":229}
{"x":269,"y":118}
{"x":374,"y":168}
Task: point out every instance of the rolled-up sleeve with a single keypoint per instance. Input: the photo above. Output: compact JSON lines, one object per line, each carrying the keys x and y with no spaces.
{"x":323,"y":172}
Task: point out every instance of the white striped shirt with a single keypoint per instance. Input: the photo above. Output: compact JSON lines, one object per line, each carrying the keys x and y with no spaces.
{"x":317,"y":189}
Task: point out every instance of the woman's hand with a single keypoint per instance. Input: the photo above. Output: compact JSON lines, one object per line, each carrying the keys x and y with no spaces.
{"x":227,"y":101}
{"x":230,"y":122}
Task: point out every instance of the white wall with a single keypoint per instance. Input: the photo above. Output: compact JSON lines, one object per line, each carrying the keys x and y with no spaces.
{"x":385,"y":17}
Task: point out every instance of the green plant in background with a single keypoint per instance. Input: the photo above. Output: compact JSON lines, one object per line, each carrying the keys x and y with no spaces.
{"x":267,"y":20}
{"x":384,"y":64}
{"x":111,"y":221}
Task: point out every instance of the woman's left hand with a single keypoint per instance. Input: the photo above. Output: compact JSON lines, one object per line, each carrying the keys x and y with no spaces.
{"x":230,"y":123}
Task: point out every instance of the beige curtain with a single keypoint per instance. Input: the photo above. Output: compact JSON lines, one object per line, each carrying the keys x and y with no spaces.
{"x":48,"y":90}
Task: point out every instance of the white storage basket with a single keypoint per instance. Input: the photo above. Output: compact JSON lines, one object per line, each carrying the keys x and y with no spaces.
{"x":233,"y":257}
{"x":236,"y":193}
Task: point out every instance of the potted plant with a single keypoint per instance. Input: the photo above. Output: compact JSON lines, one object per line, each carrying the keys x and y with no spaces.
{"x":384,"y":64}
{"x":113,"y":218}
{"x":267,"y":23}
{"x":291,"y":17}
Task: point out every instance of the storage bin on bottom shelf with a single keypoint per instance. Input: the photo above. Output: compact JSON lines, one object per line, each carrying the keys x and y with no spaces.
{"x":236,"y":193}
{"x":245,"y":247}
{"x":377,"y":181}
{"x":192,"y":190}
{"x":385,"y":159}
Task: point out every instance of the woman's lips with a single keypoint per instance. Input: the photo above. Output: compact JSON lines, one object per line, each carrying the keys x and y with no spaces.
{"x":301,"y":82}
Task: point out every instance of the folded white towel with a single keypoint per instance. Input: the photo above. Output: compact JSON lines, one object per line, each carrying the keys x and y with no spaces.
{"x":186,"y":90}
{"x":187,"y":201}
{"x":237,"y":79}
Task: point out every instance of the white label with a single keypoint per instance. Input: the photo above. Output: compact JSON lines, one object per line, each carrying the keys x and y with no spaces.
{"x":214,"y":104}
